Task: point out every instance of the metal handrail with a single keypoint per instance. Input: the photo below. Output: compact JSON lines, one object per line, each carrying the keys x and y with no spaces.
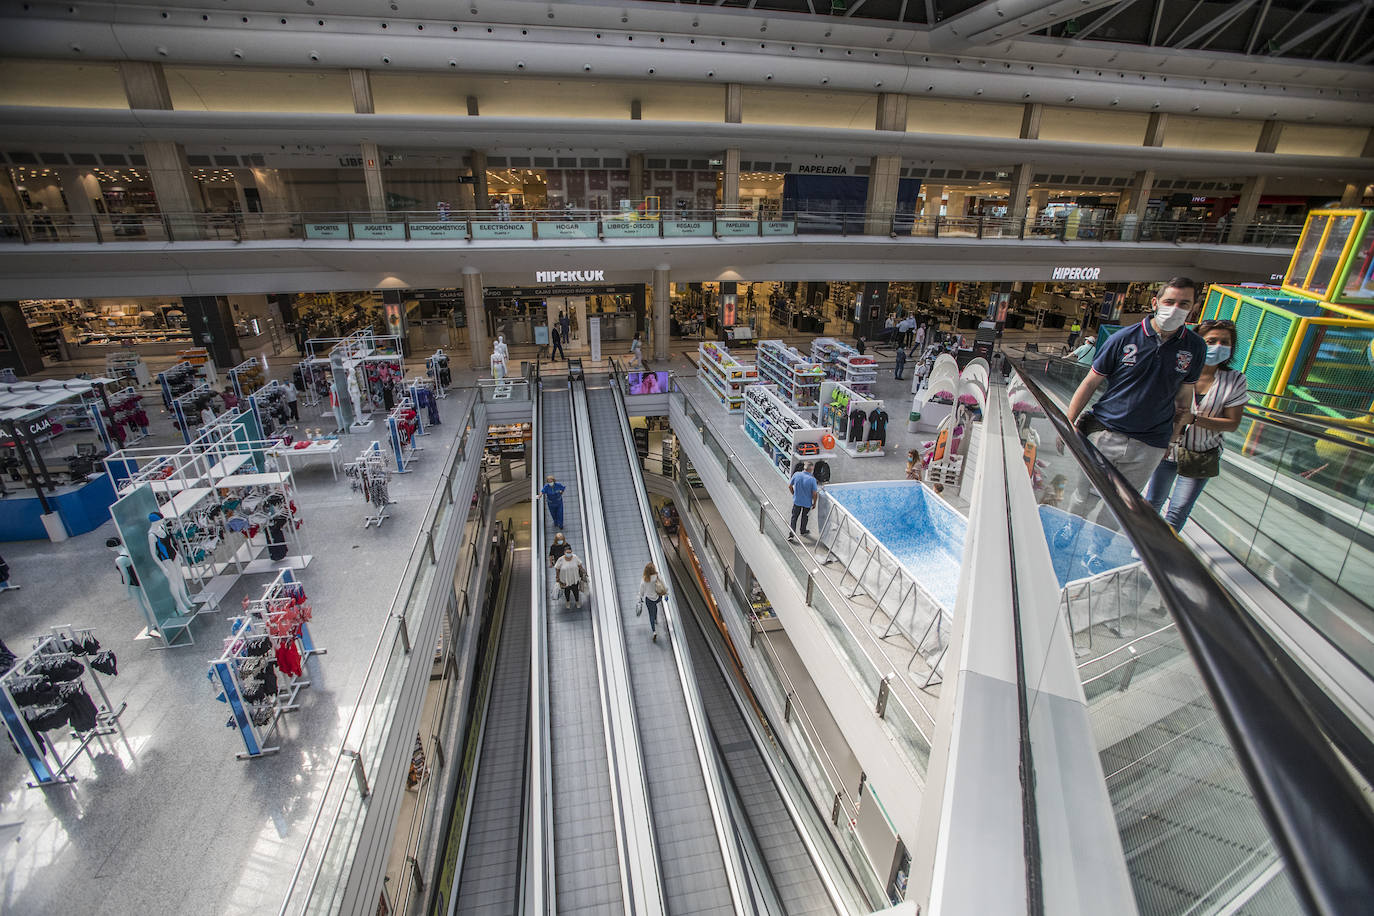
{"x":385,"y":640}
{"x":641,"y":876}
{"x":1319,"y":821}
{"x":165,"y":226}
{"x":539,"y":861}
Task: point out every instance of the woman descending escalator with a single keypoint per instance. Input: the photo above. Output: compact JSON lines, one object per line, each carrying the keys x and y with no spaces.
{"x":651,"y":592}
{"x":570,"y":574}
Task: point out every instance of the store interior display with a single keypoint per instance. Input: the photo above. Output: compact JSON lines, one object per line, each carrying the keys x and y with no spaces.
{"x":761,"y":609}
{"x":194,"y":410}
{"x":508,"y":440}
{"x":798,"y":377}
{"x":439,"y":370}
{"x":845,"y":364}
{"x":47,"y":701}
{"x":725,"y":376}
{"x":128,"y":368}
{"x":312,"y":378}
{"x":859,"y":423}
{"x":180,"y":379}
{"x":780,"y":432}
{"x":370,"y":475}
{"x":425,"y":392}
{"x":262,"y":670}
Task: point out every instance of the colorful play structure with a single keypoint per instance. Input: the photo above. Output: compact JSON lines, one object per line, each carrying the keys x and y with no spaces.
{"x":1308,"y":346}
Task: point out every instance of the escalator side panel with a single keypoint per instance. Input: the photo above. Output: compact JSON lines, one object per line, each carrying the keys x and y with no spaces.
{"x":586,"y":864}
{"x":489,"y":883}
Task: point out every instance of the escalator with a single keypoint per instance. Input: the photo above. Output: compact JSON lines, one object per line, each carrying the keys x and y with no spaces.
{"x":793,"y":879}
{"x":1217,"y":751}
{"x":696,"y":845}
{"x":489,"y":880}
{"x":582,"y":861}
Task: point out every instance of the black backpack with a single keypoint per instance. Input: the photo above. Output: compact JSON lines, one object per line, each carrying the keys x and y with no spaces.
{"x":821,"y":472}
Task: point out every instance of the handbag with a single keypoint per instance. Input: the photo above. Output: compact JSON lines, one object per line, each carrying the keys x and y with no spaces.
{"x":1198,"y":465}
{"x":659,"y":588}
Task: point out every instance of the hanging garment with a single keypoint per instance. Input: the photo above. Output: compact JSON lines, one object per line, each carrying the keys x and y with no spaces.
{"x":30,"y":690}
{"x":166,"y":548}
{"x":47,"y":717}
{"x":81,"y":711}
{"x":56,"y":668}
{"x":289,"y":658}
{"x":105,"y":662}
{"x":877,"y":426}
{"x":256,"y":645}
{"x":856,"y":425}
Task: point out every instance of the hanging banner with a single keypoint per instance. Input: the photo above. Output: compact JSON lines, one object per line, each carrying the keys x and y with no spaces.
{"x":326,"y":230}
{"x":502,"y":230}
{"x":736,"y":227}
{"x":439,"y":231}
{"x":629,"y":229}
{"x":567,"y":230}
{"x":379,"y":230}
{"x":688,"y":228}
{"x":779,"y":227}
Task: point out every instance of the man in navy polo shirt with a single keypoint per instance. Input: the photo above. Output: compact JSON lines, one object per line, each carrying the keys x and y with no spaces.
{"x":1149,"y":369}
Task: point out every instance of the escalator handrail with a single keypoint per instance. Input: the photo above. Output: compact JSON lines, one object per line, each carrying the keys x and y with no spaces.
{"x":641,"y":875}
{"x":1319,"y":821}
{"x":696,"y":713}
{"x":538,"y":861}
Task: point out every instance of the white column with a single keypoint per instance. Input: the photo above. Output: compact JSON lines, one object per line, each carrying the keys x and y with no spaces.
{"x":372,"y":175}
{"x":475,"y":307}
{"x":662,"y":311}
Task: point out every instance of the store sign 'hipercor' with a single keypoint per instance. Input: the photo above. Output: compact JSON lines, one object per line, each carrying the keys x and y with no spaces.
{"x":1076,"y":273}
{"x":570,"y":276}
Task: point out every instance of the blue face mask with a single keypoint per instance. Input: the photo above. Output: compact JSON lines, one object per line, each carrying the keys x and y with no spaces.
{"x":1217,"y":354}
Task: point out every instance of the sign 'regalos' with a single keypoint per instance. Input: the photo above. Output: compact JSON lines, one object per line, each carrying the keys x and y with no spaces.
{"x":1076,"y":273}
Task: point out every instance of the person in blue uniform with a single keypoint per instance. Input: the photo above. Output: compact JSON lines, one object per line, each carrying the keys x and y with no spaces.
{"x":553,"y":498}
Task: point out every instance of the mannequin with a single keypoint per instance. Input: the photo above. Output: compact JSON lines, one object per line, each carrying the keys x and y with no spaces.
{"x":164,"y":553}
{"x":129,"y":576}
{"x":499,"y":353}
{"x":335,"y":406}
{"x":356,"y":396}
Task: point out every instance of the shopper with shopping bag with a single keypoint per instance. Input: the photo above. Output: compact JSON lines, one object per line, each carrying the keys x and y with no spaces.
{"x":651,"y":593}
{"x":570,"y":574}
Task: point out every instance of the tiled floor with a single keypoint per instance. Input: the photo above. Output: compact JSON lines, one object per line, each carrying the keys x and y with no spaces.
{"x":163,"y":818}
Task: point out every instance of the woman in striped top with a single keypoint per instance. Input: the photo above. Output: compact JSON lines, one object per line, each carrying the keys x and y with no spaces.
{"x":1219,"y":398}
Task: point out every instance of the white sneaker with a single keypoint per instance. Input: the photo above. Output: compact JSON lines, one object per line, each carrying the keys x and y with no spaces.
{"x":579,"y":602}
{"x":655,"y":639}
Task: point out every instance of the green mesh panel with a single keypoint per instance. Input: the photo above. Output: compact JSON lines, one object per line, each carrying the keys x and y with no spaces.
{"x":1340,"y":374}
{"x":1214,"y":298}
{"x":1247,"y":321}
{"x":1266,"y":353}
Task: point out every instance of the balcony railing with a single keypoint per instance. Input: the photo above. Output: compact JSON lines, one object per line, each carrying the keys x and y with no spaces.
{"x":569,"y":224}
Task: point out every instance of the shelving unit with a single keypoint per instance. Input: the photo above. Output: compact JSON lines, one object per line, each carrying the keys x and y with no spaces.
{"x":844,"y":364}
{"x":798,"y":377}
{"x":724,"y":375}
{"x":508,"y":438}
{"x":779,"y":431}
{"x":838,"y":420}
{"x":128,"y":367}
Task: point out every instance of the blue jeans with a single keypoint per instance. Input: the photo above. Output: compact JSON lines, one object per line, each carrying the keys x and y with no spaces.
{"x":1181,"y":492}
{"x":653,"y":604}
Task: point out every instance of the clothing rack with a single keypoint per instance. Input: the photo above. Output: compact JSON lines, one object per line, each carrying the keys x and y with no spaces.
{"x":178,"y":380}
{"x":371,"y":474}
{"x":262,"y":669}
{"x":423,"y":392}
{"x":313,"y":377}
{"x":269,"y":407}
{"x":438,"y":368}
{"x":246,"y":377}
{"x":402,"y":425}
{"x":188,"y":405}
{"x":126,"y":420}
{"x":64,"y":644}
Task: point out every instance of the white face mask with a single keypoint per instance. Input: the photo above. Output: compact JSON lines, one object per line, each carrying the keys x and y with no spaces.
{"x":1169,"y":318}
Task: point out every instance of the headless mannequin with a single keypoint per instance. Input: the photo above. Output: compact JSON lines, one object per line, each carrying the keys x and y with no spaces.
{"x":159,"y":541}
{"x":356,"y":395}
{"x":499,"y":353}
{"x":129,"y":577}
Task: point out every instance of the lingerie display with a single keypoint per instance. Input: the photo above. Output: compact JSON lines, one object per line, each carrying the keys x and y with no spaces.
{"x":49,"y":691}
{"x":125,"y":414}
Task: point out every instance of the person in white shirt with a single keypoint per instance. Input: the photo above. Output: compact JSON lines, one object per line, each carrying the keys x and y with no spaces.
{"x":568,"y":572}
{"x":651,"y":592}
{"x":920,"y":337}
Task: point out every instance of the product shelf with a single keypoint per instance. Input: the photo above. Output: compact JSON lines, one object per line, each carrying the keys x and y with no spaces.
{"x":797,"y":377}
{"x":779,"y":431}
{"x":724,"y":375}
